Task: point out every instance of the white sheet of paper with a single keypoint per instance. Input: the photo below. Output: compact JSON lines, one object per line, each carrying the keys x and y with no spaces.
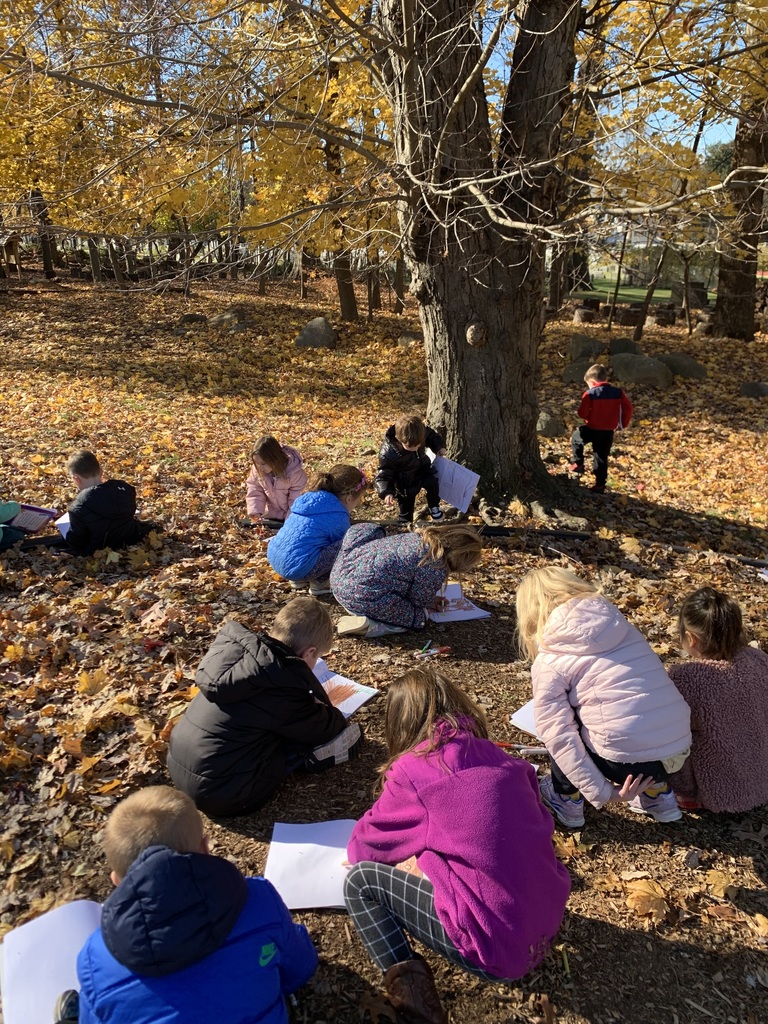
{"x":63,"y":524}
{"x":304,"y":863}
{"x":457,"y":483}
{"x":349,"y":706}
{"x":523,"y":719}
{"x":460,"y":608}
{"x":40,"y":960}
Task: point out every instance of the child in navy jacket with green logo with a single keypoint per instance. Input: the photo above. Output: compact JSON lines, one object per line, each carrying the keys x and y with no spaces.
{"x":184,"y":936}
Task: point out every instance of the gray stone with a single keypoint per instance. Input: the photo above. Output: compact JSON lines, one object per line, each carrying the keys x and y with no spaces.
{"x":233,"y":315}
{"x":636,"y":369}
{"x":581,"y":315}
{"x":584,"y":347}
{"x":628,"y":317}
{"x":550,"y":424}
{"x":703,"y":328}
{"x":408,"y":338}
{"x":619,"y":345}
{"x":683,"y":365}
{"x":574,"y":373}
{"x":754,"y":389}
{"x":243,"y":325}
{"x":660,"y":318}
{"x":192,"y":318}
{"x":318,"y":333}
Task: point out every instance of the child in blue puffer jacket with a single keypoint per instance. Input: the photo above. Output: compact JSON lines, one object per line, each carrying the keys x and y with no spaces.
{"x":305,"y":549}
{"x":184,"y":936}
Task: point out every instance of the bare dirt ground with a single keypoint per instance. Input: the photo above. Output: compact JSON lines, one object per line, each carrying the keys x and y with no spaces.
{"x":667,"y":924}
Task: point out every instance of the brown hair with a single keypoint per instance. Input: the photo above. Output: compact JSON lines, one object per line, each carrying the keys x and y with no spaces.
{"x":410,"y":430}
{"x":153,"y":816}
{"x":83,"y":463}
{"x":270,"y":451}
{"x":340,"y":480}
{"x":716,"y":620}
{"x":416,"y":703}
{"x":459,"y":546}
{"x":539,"y":593}
{"x":598,"y":372}
{"x":302,"y":623}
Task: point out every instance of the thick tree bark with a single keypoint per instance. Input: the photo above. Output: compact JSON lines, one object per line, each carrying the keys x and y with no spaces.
{"x":477,"y":272}
{"x":737,"y":280}
{"x":345,"y":286}
{"x":399,"y":284}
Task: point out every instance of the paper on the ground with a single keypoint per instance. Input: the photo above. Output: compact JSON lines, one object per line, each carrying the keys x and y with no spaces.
{"x":305,"y":863}
{"x":457,"y":483}
{"x":523,"y":719}
{"x":63,"y":524}
{"x":33,"y":518}
{"x":39,"y":961}
{"x":349,"y":706}
{"x":459,"y":607}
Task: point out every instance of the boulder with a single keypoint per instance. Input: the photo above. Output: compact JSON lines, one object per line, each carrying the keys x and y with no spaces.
{"x":683,"y":365}
{"x":660,"y":318}
{"x":574,"y":373}
{"x":638,"y":369}
{"x":583,"y":347}
{"x":754,"y":389}
{"x":318,"y":333}
{"x":408,"y":338}
{"x":550,"y":424}
{"x":192,"y":318}
{"x":619,"y":345}
{"x":582,"y":315}
{"x":229,"y":317}
{"x":628,"y":317}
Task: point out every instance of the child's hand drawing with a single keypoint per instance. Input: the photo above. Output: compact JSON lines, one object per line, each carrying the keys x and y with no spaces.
{"x":339,"y":692}
{"x":440,"y":604}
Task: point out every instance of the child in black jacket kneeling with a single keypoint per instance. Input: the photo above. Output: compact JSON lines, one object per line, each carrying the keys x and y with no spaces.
{"x":405,"y":468}
{"x":260,"y":714}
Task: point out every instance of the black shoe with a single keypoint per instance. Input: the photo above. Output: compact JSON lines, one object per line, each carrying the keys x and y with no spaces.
{"x":597,"y":488}
{"x":67,"y":1009}
{"x":405,"y":517}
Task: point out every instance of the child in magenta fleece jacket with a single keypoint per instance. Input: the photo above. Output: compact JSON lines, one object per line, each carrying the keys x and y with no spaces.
{"x":457,"y":850}
{"x":725,"y":684}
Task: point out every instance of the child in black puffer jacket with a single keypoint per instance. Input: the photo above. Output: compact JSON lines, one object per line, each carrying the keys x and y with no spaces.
{"x":405,"y":468}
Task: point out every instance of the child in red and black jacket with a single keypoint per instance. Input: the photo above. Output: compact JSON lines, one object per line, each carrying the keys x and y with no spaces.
{"x":605,"y":408}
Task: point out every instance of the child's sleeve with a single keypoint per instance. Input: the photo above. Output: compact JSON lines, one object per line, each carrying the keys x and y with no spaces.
{"x":296,"y":484}
{"x":626,"y":410}
{"x":298,"y":956}
{"x":385,"y":481}
{"x":395,"y":827}
{"x":433,"y":441}
{"x":303,"y":718}
{"x":78,"y":535}
{"x":427,"y":581}
{"x":585,"y":407}
{"x":255,"y":495}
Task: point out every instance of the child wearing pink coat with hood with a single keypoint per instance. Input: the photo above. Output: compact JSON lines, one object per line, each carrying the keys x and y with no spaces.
{"x":276,"y":480}
{"x":610,"y":717}
{"x":457,"y":851}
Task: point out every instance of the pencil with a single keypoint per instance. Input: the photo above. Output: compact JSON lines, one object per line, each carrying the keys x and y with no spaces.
{"x":425,"y":647}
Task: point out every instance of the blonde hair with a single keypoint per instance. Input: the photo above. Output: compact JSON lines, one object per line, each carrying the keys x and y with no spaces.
{"x":304,"y":622}
{"x":83,"y":463}
{"x":154,"y":816}
{"x":540,"y":592}
{"x":341,"y":480}
{"x":271,"y":452}
{"x":410,"y":430}
{"x":598,"y":372}
{"x":416,"y":702}
{"x":459,"y":546}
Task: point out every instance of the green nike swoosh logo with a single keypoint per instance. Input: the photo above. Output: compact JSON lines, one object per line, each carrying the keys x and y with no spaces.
{"x":267,"y":954}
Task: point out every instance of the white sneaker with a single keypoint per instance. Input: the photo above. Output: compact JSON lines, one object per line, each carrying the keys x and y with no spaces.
{"x":298,"y":584}
{"x":336,"y":751}
{"x":360,"y":625}
{"x":662,"y":807}
{"x":319,"y":587}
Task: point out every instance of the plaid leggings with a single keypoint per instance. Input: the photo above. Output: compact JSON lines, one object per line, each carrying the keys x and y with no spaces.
{"x":384,"y":901}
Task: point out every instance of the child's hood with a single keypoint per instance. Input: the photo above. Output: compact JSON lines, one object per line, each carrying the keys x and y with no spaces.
{"x":584,"y":625}
{"x":171,"y":910}
{"x":317,"y":503}
{"x":240,"y":662}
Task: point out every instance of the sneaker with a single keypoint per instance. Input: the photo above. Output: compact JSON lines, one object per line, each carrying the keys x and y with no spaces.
{"x":298,"y":584}
{"x":9,"y":510}
{"x":320,"y":587}
{"x":661,"y":806}
{"x":568,"y":810}
{"x":353,"y":625}
{"x":380,"y":629}
{"x":576,"y":467}
{"x":597,"y":488}
{"x":405,"y":517}
{"x":337,"y":751}
{"x":67,"y":1009}
{"x":435,"y":513}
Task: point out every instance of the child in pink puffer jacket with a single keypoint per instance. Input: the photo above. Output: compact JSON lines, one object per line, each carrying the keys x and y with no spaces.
{"x":276,"y":479}
{"x":609,"y":715}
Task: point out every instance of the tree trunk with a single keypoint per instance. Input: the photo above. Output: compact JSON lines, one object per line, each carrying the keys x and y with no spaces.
{"x":466,"y":238}
{"x":399,"y":283}
{"x":345,"y":286}
{"x":557,"y":277}
{"x":93,"y":255}
{"x":737,"y":280}
{"x":638,"y":333}
{"x":373,"y":283}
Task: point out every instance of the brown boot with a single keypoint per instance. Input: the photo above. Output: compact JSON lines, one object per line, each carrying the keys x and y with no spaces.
{"x":411,"y":990}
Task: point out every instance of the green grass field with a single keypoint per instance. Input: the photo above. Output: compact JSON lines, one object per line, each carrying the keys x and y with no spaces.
{"x":603,"y":289}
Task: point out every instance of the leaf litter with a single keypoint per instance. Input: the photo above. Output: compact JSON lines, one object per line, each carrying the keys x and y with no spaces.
{"x":98,"y":656}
